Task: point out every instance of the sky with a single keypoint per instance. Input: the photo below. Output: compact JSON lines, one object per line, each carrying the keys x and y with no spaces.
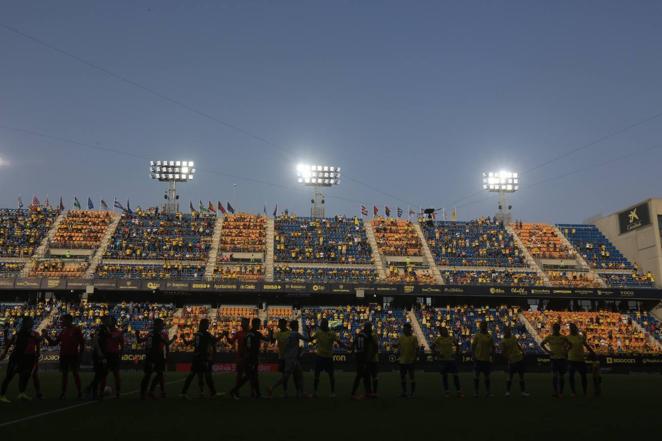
{"x":412,"y":99}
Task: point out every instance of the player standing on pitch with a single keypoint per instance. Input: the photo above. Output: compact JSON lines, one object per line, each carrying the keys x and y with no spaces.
{"x":280,"y":338}
{"x":156,"y":349}
{"x":482,"y":348}
{"x":22,"y":359}
{"x":557,"y":346}
{"x":408,"y":348}
{"x":204,"y":349}
{"x":72,"y":347}
{"x":446,"y":349}
{"x":514,"y":355}
{"x":99,"y":359}
{"x":363,"y":348}
{"x":324,"y":339}
{"x":577,"y":358}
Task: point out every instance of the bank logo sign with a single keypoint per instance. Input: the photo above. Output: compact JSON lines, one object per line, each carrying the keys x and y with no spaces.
{"x":634,"y":218}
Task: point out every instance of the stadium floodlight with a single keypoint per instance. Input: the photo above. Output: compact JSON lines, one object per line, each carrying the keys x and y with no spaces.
{"x":502,"y":182}
{"x":171,"y":172}
{"x":318,"y":176}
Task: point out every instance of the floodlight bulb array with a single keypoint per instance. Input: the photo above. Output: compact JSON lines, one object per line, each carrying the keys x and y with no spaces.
{"x":166,"y":171}
{"x":501,"y":181}
{"x":318,"y":175}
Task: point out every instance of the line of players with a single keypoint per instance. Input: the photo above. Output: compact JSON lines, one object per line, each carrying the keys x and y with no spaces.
{"x":567,"y":354}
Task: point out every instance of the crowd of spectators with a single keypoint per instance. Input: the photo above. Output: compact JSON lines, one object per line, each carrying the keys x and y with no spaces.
{"x":11,"y":315}
{"x":245,"y":233}
{"x":594,"y":247}
{"x":347,"y":321}
{"x":10,"y":269}
{"x":332,"y":240}
{"x":59,"y":268}
{"x":187,"y":325}
{"x":81,"y":229}
{"x":462,"y":323}
{"x":649,"y":323}
{"x":605,"y":332}
{"x":227,"y":320}
{"x":22,"y":230}
{"x":543,"y":242}
{"x":167,"y":271}
{"x":480,"y":242}
{"x":396,"y":237}
{"x":150,"y":235}
{"x":572,"y":279}
{"x":487,"y":277}
{"x":629,"y":280}
{"x":324,"y":274}
{"x":409,"y":273}
{"x":246,"y":272}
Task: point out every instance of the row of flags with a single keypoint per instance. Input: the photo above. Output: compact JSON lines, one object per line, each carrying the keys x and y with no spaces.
{"x":76,"y":204}
{"x":387,"y":211}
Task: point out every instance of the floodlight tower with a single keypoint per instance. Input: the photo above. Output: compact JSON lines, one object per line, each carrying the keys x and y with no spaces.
{"x":318,"y":177}
{"x":171,"y":172}
{"x":502,"y":182}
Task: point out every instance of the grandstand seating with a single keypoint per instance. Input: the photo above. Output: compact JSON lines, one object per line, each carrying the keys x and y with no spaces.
{"x":138,"y":271}
{"x":606,"y":332}
{"x":10,"y":269}
{"x":149,"y":235}
{"x":133,"y":317}
{"x":87,"y":315}
{"x":324,"y":275}
{"x":628,"y":280}
{"x":649,"y":323}
{"x":187,"y":325}
{"x":396,"y":237}
{"x":22,"y":230}
{"x":594,"y":247}
{"x":81,"y":229}
{"x":247,"y":272}
{"x":332,"y":240}
{"x":543,"y":242}
{"x":494,"y":277}
{"x":462,"y":322}
{"x":243,"y":233}
{"x":59,"y":268}
{"x":409,"y":273}
{"x":227,"y":319}
{"x":480,"y":242}
{"x":572,"y":279}
{"x":11,"y":313}
{"x":347,"y":321}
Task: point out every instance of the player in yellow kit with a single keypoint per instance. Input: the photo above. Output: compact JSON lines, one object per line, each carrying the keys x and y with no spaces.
{"x":557,"y":346}
{"x":324,"y":338}
{"x":281,"y":337}
{"x":576,"y":358}
{"x":446,"y":349}
{"x":514,"y":355}
{"x":482,"y":348}
{"x":408,"y":347}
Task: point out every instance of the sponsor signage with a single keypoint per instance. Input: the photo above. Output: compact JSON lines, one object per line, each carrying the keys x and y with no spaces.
{"x":634,"y":218}
{"x":6,"y":283}
{"x":53,"y":284}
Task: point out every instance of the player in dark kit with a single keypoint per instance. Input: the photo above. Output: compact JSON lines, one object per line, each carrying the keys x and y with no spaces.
{"x":156,"y":347}
{"x":247,"y":365}
{"x":204,"y":345}
{"x":114,"y":348}
{"x":22,"y":360}
{"x":364,"y":350}
{"x":99,"y":359}
{"x":72,"y":346}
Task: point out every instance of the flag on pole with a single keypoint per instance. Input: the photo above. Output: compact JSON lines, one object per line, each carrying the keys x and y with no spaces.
{"x":47,"y":204}
{"x":264,"y":210}
{"x":118,"y":204}
{"x":275,"y":210}
{"x":190,"y":205}
{"x":222,"y":208}
{"x":35,"y":201}
{"x":202,"y":208}
{"x":399,"y":212}
{"x":90,"y":205}
{"x":128,"y":207}
{"x":230,"y":209}
{"x":104,"y":205}
{"x":20,"y":202}
{"x":412,"y":213}
{"x":210,"y":208}
{"x":61,"y":204}
{"x":375,"y":210}
{"x":387,"y":211}
{"x":454,"y":215}
{"x":76,"y":203}
{"x":364,"y":210}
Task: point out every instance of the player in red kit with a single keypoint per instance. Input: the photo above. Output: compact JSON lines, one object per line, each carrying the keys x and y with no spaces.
{"x":72,"y":346}
{"x":22,"y":359}
{"x":114,"y":348}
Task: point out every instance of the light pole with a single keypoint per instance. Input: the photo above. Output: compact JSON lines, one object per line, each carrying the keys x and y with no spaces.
{"x":318,"y":177}
{"x":171,"y":172}
{"x":502,"y":182}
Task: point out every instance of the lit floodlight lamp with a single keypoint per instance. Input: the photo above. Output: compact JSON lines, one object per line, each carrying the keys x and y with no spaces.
{"x":502,"y":182}
{"x":171,"y":172}
{"x":317,"y":176}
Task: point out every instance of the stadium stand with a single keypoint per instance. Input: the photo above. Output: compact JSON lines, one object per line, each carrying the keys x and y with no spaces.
{"x":348,"y":320}
{"x":81,"y":229}
{"x":396,"y":237}
{"x":187,"y":325}
{"x":227,"y":319}
{"x":649,"y":323}
{"x":147,"y":235}
{"x":11,"y":269}
{"x":243,"y":233}
{"x":572,"y":279}
{"x":629,"y":280}
{"x":324,"y":275}
{"x":606,"y":332}
{"x":462,"y":322}
{"x":409,"y":273}
{"x":22,"y":230}
{"x":543,"y":242}
{"x":59,"y":268}
{"x":12,"y":313}
{"x":167,"y":271}
{"x":333,"y":240}
{"x":594,"y":247}
{"x":480,"y":242}
{"x":492,"y":277}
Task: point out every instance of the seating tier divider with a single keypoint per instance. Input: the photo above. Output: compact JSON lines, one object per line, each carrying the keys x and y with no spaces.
{"x":418,"y":331}
{"x":533,"y":266}
{"x":101,"y":250}
{"x":40,"y":252}
{"x":377,"y":259}
{"x":269,"y":254}
{"x":210,"y":267}
{"x":427,"y":254}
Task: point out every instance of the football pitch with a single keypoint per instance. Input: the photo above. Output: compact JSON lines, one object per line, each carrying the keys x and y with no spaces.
{"x":630,"y":407}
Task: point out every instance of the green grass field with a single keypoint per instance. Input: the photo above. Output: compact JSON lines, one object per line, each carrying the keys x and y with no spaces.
{"x":629,"y":408}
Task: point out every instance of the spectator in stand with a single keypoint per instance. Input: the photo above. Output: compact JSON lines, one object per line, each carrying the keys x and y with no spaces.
{"x":22,"y":230}
{"x":495,"y":277}
{"x":324,"y":275}
{"x":543,"y":242}
{"x":396,"y":237}
{"x":81,"y":229}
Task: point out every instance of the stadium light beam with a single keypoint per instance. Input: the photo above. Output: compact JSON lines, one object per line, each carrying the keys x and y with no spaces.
{"x":502,"y":182}
{"x":171,"y":172}
{"x":318,"y":177}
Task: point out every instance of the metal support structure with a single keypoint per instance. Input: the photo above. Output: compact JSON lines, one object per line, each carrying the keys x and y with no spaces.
{"x":503,"y":214}
{"x":171,"y":205}
{"x":317,"y":208}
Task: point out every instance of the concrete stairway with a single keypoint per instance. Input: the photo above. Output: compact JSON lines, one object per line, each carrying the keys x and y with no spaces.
{"x":579,"y":258}
{"x":529,"y":327}
{"x":103,"y":246}
{"x":269,"y":252}
{"x":657,"y":312}
{"x":427,"y":254}
{"x":376,"y":256}
{"x":531,"y":262}
{"x":418,"y":331}
{"x":45,"y":323}
{"x":213,"y":252}
{"x":40,"y":252}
